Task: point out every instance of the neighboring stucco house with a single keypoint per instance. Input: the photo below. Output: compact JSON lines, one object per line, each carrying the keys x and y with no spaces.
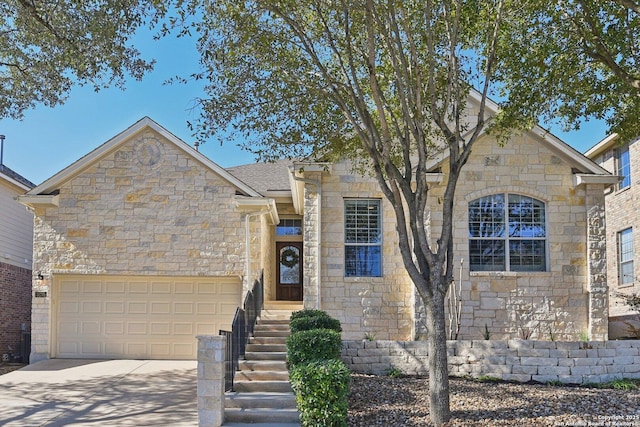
{"x":16,"y":245}
{"x":623,"y":226}
{"x":144,"y":242}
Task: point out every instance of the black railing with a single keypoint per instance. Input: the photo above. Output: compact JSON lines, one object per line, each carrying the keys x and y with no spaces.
{"x":242,"y":328}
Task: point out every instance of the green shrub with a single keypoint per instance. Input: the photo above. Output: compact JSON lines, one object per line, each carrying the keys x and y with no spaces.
{"x":322,"y":390}
{"x":308,"y":312}
{"x":314,"y":322}
{"x":313,"y":345}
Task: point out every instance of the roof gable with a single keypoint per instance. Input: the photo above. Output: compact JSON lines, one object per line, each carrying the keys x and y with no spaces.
{"x":555,"y":144}
{"x":53,"y":183}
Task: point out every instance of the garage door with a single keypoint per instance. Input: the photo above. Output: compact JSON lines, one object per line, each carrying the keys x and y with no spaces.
{"x":139,"y":317}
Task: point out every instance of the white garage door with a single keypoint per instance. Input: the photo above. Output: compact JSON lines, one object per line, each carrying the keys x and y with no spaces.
{"x":139,"y":317}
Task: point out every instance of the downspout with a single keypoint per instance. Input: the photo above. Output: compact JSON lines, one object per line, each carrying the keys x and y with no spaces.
{"x":319,"y":230}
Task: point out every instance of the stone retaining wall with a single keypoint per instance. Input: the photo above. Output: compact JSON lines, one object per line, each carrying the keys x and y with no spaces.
{"x":513,"y":360}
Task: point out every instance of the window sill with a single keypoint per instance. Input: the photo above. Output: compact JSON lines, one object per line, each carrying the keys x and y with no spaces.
{"x":622,"y":190}
{"x":626,"y":285}
{"x":509,"y":273}
{"x":356,"y":279}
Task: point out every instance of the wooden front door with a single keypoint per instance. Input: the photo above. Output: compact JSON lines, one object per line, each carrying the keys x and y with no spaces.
{"x":289,"y":271}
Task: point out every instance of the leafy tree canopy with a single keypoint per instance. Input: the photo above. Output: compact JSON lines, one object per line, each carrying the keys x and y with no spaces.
{"x":295,"y":77}
{"x":571,"y":60}
{"x":383,"y":83}
{"x":48,"y":46}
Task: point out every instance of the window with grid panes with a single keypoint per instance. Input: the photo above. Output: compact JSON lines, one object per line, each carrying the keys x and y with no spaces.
{"x":289,"y":227}
{"x":507,"y":232}
{"x":625,"y":256}
{"x":623,"y":166}
{"x":362,"y":238}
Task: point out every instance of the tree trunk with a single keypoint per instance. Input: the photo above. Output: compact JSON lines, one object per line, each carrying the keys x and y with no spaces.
{"x":438,"y":367}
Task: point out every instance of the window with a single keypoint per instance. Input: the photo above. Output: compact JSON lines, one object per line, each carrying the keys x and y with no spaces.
{"x":362,"y":238}
{"x":507,"y":232}
{"x":625,"y":256}
{"x":623,"y":166}
{"x":289,"y":227}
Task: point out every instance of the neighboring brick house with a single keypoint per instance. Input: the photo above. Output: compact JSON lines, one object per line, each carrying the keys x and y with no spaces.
{"x":623,"y":228}
{"x":16,"y":238}
{"x":127,"y":235}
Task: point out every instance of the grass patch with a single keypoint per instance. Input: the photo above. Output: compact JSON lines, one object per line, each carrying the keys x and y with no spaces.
{"x":395,"y":373}
{"x":487,"y":379}
{"x":619,"y":384}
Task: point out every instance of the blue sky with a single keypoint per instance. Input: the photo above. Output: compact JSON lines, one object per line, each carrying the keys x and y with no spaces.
{"x":49,"y":139}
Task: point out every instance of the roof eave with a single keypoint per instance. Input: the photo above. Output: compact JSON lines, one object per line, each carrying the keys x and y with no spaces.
{"x":39,"y":200}
{"x":582,"y":178}
{"x":573,"y":156}
{"x":255,"y":204}
{"x":601,"y":146}
{"x":15,"y":182}
{"x":112,"y":144}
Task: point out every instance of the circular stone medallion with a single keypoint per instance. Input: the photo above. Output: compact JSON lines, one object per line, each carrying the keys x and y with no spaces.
{"x":148,"y":151}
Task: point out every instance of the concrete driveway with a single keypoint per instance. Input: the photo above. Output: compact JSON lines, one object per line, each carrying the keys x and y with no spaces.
{"x":69,"y":392}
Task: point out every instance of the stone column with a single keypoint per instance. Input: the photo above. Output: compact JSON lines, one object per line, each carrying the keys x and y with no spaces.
{"x":597,"y":264}
{"x":311,"y":279}
{"x":211,"y":370}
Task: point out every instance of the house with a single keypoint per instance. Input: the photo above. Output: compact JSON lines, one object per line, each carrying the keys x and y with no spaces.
{"x":622,"y":205}
{"x":144,"y":243}
{"x":16,"y":237}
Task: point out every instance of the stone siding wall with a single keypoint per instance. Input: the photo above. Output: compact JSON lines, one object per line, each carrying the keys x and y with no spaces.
{"x":566,"y":301}
{"x":380,"y":306}
{"x":622,"y":208}
{"x":15,"y":306}
{"x":144,"y":209}
{"x":512,"y":360}
{"x":556,"y":303}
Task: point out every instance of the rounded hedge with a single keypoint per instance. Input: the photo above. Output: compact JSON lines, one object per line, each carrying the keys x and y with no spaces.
{"x":322,"y":390}
{"x":315,"y":322}
{"x":308,"y":312}
{"x":313,"y":345}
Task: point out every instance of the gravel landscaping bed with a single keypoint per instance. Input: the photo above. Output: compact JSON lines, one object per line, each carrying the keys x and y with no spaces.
{"x":386,"y":401}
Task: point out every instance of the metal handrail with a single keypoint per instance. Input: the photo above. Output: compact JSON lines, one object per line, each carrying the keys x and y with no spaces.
{"x":242,"y":329}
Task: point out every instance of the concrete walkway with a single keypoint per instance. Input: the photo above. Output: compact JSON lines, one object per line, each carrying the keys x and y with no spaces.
{"x":69,"y":392}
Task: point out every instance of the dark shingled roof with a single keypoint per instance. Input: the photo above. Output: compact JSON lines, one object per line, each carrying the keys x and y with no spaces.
{"x":16,"y":176}
{"x":264,"y":177}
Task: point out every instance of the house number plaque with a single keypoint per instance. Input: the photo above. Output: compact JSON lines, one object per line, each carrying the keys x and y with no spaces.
{"x":41,"y":294}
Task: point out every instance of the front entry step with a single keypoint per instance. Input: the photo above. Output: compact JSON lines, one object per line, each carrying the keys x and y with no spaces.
{"x":258,"y":386}
{"x":273,"y":400}
{"x":262,"y":395}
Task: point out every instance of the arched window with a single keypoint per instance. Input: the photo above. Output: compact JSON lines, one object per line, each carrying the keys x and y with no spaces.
{"x":507,"y":232}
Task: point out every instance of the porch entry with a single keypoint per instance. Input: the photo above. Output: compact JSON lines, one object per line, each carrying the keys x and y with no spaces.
{"x":289,"y":271}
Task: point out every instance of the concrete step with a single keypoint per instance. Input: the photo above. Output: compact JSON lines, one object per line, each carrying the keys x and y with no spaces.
{"x":274,"y":355}
{"x":261,"y":376}
{"x":276,"y":306}
{"x":262,"y":365}
{"x":265,"y":400}
{"x":262,"y":386}
{"x":256,"y":417}
{"x":268,"y":340}
{"x":268,"y":333}
{"x":273,"y":320}
{"x":271,"y":327}
{"x":266,"y":347}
